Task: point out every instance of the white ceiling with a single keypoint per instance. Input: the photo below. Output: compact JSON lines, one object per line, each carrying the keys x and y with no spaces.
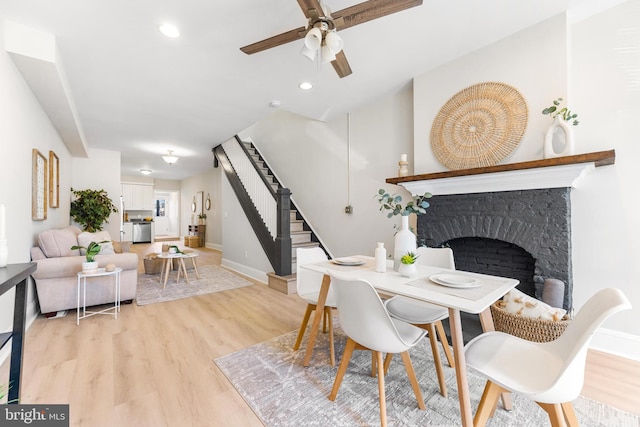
{"x":142,"y":94}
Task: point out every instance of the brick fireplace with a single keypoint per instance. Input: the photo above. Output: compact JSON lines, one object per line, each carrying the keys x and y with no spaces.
{"x":510,"y":220}
{"x":524,"y":234}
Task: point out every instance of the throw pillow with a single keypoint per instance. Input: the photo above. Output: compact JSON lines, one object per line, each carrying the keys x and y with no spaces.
{"x":85,"y":238}
{"x":517,"y":302}
{"x":57,"y":243}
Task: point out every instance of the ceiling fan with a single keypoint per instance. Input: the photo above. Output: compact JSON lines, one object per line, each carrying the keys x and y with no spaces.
{"x":320,"y":33}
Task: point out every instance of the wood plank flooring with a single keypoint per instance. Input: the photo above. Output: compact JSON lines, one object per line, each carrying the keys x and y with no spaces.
{"x":154,"y":365}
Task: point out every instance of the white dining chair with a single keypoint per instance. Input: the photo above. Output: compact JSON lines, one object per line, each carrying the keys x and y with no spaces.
{"x":550,"y":373}
{"x":425,"y":315}
{"x":368,"y":326}
{"x":308,"y":285}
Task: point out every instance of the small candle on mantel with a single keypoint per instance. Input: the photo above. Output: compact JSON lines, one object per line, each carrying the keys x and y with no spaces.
{"x":403,"y":157}
{"x":3,"y":228}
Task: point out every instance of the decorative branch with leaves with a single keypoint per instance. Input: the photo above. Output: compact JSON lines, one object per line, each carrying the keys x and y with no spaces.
{"x":393,"y":203}
{"x":563,"y":112}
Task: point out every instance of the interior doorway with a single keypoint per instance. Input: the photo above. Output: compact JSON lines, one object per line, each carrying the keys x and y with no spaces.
{"x":166,"y":213}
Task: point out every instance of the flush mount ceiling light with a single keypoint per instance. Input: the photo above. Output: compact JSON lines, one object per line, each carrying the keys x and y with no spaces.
{"x":145,"y":171}
{"x":305,"y":85}
{"x":170,"y":158}
{"x":169,"y":30}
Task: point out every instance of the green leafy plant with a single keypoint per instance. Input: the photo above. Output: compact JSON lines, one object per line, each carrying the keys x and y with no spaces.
{"x":90,"y":251}
{"x":202,"y":216}
{"x":563,"y":112}
{"x":177,"y":249}
{"x":91,"y":209}
{"x":393,"y":203}
{"x":409,"y":258}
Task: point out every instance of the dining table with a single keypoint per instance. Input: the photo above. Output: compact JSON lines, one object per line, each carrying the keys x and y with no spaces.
{"x":456,"y":290}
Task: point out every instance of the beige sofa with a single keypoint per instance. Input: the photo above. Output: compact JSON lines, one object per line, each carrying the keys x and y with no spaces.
{"x":57,"y":275}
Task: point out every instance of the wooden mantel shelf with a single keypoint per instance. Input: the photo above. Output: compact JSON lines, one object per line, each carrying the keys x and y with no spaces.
{"x":548,"y":173}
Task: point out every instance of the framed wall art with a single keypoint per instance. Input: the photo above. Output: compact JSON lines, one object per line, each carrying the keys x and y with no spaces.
{"x":54,"y":180}
{"x":39,"y":187}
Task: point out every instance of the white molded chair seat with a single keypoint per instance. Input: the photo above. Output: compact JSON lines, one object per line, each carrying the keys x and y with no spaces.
{"x":368,"y":326}
{"x":425,"y":315}
{"x":551,"y":373}
{"x":308,"y":285}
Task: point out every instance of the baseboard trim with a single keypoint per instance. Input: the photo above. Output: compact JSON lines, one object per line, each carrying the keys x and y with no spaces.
{"x":257,"y":275}
{"x":617,"y":343}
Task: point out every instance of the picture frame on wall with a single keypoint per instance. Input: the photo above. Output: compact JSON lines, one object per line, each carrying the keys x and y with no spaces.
{"x":39,"y":187}
{"x":54,"y":180}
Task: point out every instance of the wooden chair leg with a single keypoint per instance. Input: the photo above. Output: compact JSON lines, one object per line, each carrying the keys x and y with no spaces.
{"x":445,"y":344}
{"x":303,"y":326}
{"x":346,"y":357}
{"x":489,"y":400}
{"x":406,"y":359}
{"x":556,"y":416}
{"x":383,"y":400}
{"x":332,"y":353}
{"x":387,"y":362}
{"x":436,"y":358}
{"x":324,"y":321}
{"x":569,"y":414}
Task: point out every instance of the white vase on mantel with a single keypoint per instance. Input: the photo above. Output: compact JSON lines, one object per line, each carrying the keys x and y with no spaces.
{"x":405,"y":241}
{"x":559,"y":134}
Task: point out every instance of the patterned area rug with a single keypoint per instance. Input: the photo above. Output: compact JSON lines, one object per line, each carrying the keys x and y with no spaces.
{"x":271,"y":379}
{"x":213,"y":279}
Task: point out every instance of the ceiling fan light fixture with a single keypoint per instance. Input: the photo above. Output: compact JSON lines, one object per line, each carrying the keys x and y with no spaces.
{"x":309,"y":53}
{"x":326,"y":54}
{"x":334,"y":41}
{"x":313,"y":39}
{"x":170,"y":158}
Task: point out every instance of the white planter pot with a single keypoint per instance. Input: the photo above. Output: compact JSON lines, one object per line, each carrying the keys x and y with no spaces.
{"x":407,"y":270}
{"x":405,"y":241}
{"x":90,"y":267}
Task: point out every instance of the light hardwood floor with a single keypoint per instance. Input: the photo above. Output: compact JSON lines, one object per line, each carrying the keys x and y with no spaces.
{"x":154,"y":365}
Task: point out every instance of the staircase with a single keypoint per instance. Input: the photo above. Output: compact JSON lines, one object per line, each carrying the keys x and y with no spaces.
{"x":279,"y":225}
{"x":301,"y":234}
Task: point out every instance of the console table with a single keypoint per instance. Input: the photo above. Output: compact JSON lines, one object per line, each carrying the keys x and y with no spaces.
{"x":16,"y":275}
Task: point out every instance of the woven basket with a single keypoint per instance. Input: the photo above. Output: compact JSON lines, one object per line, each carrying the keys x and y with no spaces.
{"x":529,"y":329}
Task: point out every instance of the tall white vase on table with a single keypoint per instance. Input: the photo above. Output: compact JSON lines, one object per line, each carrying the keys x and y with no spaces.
{"x":551,"y":139}
{"x":405,"y":241}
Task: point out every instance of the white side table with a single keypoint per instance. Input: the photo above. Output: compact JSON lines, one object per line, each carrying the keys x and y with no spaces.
{"x":82,"y":278}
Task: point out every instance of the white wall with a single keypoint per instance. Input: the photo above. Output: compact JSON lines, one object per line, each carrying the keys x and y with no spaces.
{"x":310,"y":158}
{"x":208,"y":183}
{"x":24,"y":126}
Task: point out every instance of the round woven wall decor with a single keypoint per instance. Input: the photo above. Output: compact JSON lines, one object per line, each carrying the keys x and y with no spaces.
{"x":479,"y":126}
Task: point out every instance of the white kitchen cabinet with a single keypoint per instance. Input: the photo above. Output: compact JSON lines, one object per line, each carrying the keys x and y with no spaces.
{"x":138,"y":197}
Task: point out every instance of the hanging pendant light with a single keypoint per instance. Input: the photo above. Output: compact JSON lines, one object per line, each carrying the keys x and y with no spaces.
{"x":170,"y":158}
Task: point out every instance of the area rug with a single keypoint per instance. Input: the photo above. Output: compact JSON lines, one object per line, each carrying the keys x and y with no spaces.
{"x":271,"y":379}
{"x":213,"y":279}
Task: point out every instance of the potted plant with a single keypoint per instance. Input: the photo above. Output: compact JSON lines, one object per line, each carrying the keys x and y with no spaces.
{"x":91,"y":209}
{"x":202,"y":217}
{"x":405,"y":240}
{"x":90,"y":265}
{"x":563,"y":119}
{"x":408,"y":264}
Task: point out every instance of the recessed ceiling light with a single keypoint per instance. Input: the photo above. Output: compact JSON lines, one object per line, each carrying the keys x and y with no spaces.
{"x":305,"y":85}
{"x":274,"y":104}
{"x":169,"y":30}
{"x":145,"y":171}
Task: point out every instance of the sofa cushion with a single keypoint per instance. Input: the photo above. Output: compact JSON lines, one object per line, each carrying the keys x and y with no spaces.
{"x":57,"y":243}
{"x":85,"y":238}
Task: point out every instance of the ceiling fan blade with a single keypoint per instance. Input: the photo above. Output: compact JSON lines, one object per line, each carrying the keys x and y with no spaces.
{"x":274,"y":41}
{"x":341,"y":65}
{"x":312,"y":9}
{"x":370,"y":10}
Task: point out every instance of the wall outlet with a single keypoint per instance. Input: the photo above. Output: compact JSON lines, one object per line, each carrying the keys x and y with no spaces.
{"x":348,"y":209}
